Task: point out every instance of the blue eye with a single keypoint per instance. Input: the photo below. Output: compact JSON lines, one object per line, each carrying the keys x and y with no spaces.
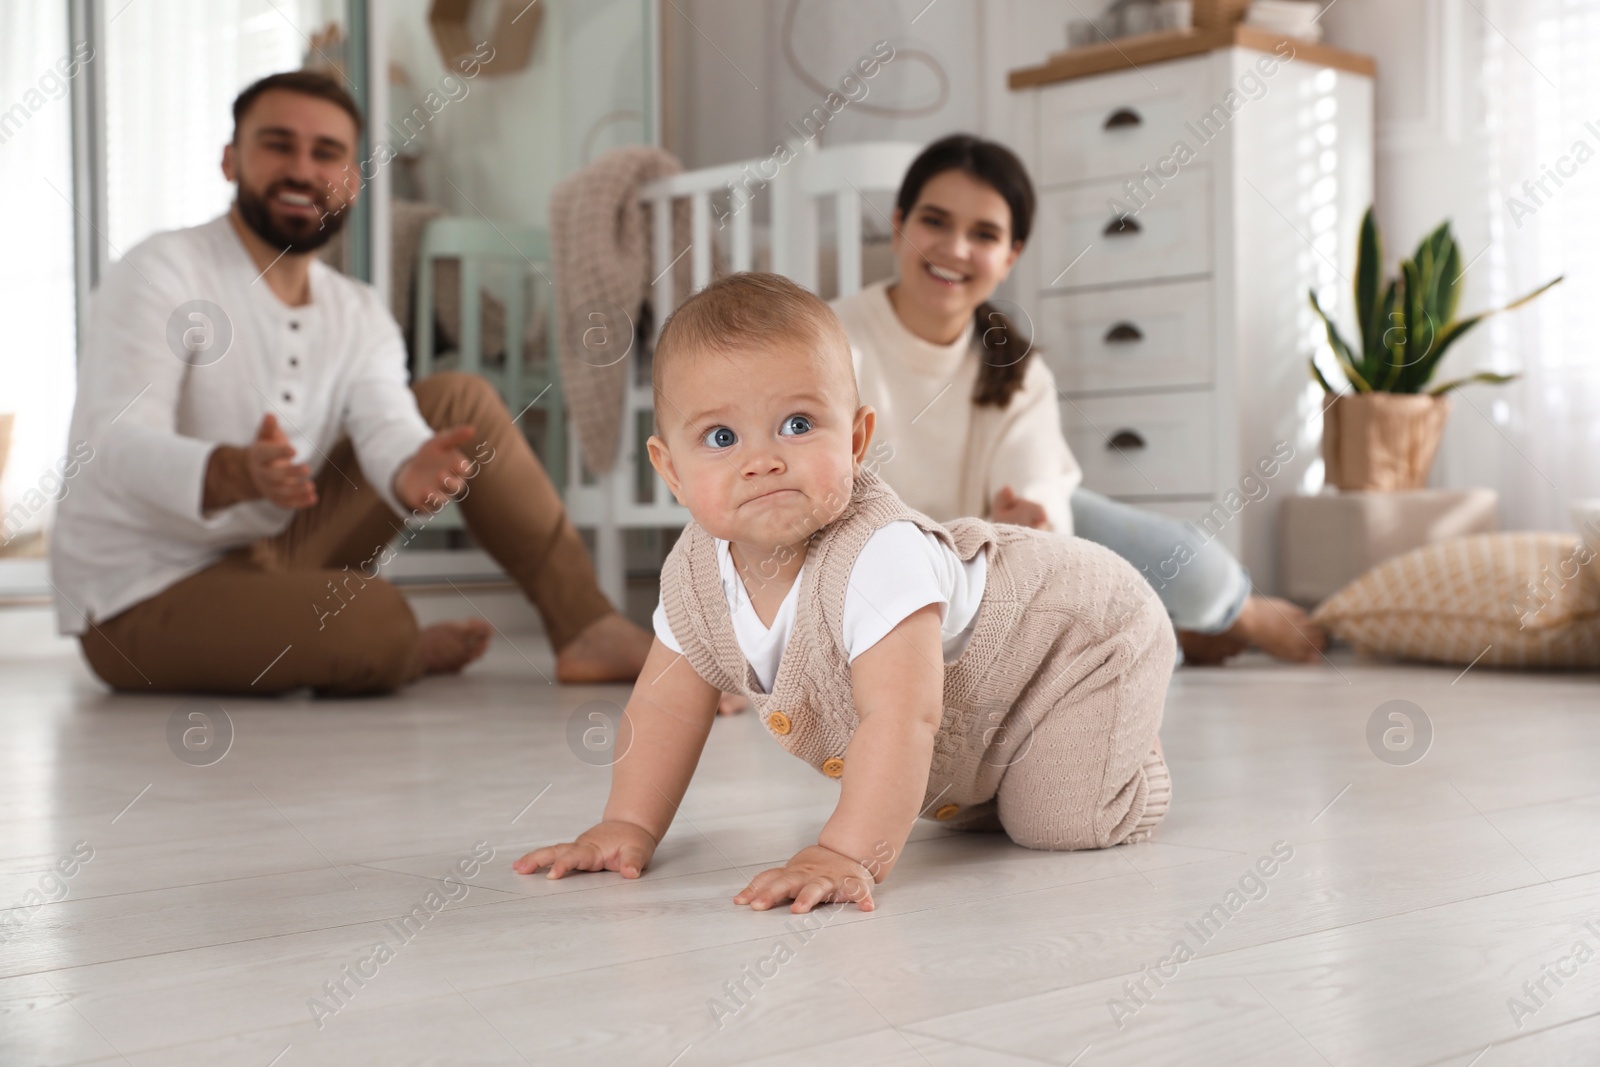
{"x":795,"y":425}
{"x":720,"y":437}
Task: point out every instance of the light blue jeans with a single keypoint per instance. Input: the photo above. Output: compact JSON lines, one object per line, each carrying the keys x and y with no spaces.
{"x":1203,"y":588}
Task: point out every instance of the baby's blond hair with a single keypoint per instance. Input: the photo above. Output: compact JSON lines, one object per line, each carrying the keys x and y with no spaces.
{"x":750,"y":310}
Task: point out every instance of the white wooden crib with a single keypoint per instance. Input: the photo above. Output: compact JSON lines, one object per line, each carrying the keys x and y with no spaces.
{"x":631,"y":495}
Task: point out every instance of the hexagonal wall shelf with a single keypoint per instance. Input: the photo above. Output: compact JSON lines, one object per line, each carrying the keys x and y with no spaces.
{"x":516,"y":31}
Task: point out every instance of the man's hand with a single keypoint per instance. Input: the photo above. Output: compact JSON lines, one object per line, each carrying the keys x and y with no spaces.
{"x":609,"y":846}
{"x":1009,"y":507}
{"x":434,"y":472}
{"x":262,"y":470}
{"x":276,"y":476}
{"x":815,"y":875}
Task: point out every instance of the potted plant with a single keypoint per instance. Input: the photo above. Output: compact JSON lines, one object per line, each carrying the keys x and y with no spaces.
{"x":1383,"y":434}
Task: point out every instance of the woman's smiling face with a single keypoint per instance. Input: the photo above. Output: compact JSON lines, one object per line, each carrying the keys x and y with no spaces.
{"x":955,"y":246}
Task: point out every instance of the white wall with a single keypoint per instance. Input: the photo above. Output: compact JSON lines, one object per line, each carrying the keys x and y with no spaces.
{"x":738,"y":71}
{"x":507,"y":142}
{"x":949,"y":73}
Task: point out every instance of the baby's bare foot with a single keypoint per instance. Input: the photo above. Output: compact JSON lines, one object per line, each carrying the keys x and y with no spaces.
{"x":446,"y":647}
{"x":1280,"y":629}
{"x":731,"y":704}
{"x":610,"y":649}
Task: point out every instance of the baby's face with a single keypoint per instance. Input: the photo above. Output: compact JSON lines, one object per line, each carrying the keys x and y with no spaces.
{"x":761,"y":447}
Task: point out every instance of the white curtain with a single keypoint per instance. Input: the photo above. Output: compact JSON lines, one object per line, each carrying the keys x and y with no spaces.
{"x":1541,"y":87}
{"x":36,"y":301}
{"x":172,"y":70}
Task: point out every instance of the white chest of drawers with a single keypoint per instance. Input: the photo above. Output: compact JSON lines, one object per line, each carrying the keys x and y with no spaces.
{"x":1185,"y":209}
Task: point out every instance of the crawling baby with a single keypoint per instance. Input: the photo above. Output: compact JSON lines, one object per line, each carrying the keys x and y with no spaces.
{"x":991,"y":677}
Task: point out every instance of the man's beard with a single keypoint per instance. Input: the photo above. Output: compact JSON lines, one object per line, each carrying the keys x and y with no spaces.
{"x":298,"y":235}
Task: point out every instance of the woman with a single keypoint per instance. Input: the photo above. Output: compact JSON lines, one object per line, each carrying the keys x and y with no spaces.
{"x":968,"y":427}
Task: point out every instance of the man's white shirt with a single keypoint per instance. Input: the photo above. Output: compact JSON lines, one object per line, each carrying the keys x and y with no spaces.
{"x":131,"y":524}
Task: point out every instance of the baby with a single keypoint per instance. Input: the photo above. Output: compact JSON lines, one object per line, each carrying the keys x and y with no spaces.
{"x":988,"y":676}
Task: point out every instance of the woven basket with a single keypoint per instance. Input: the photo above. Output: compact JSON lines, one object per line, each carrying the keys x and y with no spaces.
{"x":1382,"y":441}
{"x":1218,"y":14}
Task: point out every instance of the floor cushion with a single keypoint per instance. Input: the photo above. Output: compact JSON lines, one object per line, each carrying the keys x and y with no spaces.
{"x":1502,"y":599}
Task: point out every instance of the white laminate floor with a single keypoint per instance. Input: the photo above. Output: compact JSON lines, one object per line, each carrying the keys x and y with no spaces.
{"x":1419,"y":905}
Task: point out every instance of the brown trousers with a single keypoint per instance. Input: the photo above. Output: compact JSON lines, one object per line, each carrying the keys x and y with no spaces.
{"x":301,"y":608}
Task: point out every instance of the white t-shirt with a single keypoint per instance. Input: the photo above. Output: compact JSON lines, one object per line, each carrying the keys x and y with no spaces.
{"x":900,"y":569}
{"x":131,"y":524}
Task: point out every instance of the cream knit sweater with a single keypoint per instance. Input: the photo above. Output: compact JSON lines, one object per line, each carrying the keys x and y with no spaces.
{"x":949,"y":456}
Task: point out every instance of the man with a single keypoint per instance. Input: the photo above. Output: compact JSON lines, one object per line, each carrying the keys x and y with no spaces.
{"x":255,"y":446}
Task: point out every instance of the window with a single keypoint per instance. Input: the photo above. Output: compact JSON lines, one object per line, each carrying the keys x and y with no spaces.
{"x":36,"y":275}
{"x":172,"y":70}
{"x":1542,"y":94}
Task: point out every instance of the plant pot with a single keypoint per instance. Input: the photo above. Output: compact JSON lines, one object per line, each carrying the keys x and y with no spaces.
{"x":1379,"y":442}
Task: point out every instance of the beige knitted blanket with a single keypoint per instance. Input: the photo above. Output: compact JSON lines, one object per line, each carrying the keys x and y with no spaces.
{"x":600,"y":247}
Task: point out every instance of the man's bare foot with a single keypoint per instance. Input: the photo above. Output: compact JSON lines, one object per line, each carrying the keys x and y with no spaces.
{"x":731,"y":704}
{"x":446,"y":647}
{"x":1280,"y":629}
{"x":610,"y":649}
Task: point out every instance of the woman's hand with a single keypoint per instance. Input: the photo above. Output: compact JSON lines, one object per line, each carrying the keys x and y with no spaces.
{"x":609,"y":846}
{"x":1009,"y":507}
{"x":815,"y":875}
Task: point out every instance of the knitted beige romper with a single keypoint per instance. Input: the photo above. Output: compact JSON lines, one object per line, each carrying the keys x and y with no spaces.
{"x":1051,"y":713}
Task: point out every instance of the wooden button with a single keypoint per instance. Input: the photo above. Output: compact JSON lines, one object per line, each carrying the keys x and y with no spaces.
{"x":778,"y":723}
{"x":833,"y":768}
{"x":947,"y":811}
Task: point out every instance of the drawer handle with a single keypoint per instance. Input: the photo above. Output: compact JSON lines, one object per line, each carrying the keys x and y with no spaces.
{"x":1124,"y":440}
{"x":1122,"y":333}
{"x":1123,"y":116}
{"x":1122,"y":224}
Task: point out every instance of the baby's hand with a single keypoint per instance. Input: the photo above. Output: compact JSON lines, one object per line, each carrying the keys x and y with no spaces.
{"x":815,"y":875}
{"x":609,"y":846}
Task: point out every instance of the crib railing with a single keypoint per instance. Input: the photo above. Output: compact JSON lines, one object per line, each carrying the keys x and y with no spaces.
{"x":842,"y":175}
{"x":631,"y":495}
{"x":698,"y":187}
